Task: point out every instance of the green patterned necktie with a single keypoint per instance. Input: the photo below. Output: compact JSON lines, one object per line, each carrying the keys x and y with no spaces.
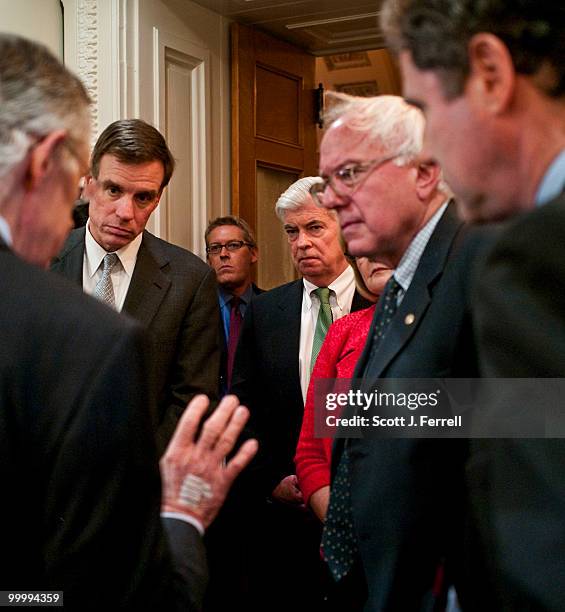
{"x":325,"y":319}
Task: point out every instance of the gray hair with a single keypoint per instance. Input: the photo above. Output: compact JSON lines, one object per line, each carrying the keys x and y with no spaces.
{"x":37,"y":96}
{"x":397,"y":126}
{"x":296,"y":196}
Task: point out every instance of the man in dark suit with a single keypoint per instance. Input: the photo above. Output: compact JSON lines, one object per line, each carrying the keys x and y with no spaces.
{"x":77,"y":450}
{"x":232,"y":252}
{"x":490,"y":78}
{"x":168,"y":289}
{"x":404,"y":497}
{"x":277,"y":349}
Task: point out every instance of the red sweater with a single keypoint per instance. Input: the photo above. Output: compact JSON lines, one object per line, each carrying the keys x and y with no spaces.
{"x":337,"y":359}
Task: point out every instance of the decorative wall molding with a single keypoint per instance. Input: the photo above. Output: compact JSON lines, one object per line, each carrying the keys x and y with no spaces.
{"x":87,"y":51}
{"x":93,"y":50}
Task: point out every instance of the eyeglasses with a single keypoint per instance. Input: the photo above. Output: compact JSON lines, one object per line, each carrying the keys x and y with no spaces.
{"x":347,"y":179}
{"x":231,"y":246}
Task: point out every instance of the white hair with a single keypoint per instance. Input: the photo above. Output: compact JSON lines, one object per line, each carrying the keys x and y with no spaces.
{"x":397,"y":126}
{"x":37,"y":96}
{"x":296,"y":196}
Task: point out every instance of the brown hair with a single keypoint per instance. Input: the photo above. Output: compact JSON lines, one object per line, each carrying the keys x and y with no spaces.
{"x":133,"y":141}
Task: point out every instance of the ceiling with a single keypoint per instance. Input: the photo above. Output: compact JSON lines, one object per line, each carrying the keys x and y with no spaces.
{"x":322,"y":27}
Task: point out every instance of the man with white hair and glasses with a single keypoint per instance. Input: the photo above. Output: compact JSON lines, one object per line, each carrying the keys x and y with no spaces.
{"x":394,"y":521}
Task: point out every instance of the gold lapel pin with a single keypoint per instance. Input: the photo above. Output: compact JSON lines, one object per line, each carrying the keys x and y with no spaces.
{"x":409,"y":319}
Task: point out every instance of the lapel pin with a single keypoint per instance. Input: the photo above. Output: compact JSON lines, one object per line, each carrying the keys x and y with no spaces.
{"x":409,"y":319}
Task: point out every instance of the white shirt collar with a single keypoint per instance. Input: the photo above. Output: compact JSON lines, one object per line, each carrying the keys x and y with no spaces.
{"x":553,"y":181}
{"x":339,"y":286}
{"x":5,"y":232}
{"x":95,"y":253}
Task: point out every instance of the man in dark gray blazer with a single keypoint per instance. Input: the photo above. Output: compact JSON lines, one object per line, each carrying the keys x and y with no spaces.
{"x":78,"y":460}
{"x":405,"y":499}
{"x":490,"y":77}
{"x":170,"y":291}
{"x":274,"y":360}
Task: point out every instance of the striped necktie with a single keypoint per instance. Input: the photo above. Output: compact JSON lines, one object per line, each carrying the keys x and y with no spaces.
{"x":325,"y":319}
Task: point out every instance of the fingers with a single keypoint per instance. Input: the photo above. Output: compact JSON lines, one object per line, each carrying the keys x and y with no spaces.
{"x":188,"y":425}
{"x":217,"y":423}
{"x":240,"y":460}
{"x":231,"y":433}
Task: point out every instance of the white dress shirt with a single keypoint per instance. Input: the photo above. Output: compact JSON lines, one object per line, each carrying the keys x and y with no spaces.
{"x":121,"y":272}
{"x":341,"y":295}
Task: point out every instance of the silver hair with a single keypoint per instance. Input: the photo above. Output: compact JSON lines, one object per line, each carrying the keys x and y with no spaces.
{"x":389,"y":120}
{"x":397,"y":126}
{"x":37,"y":96}
{"x":296,"y":196}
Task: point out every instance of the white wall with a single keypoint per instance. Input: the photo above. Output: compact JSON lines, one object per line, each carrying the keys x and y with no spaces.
{"x":39,"y":20}
{"x":165,"y":61}
{"x":196,"y":100}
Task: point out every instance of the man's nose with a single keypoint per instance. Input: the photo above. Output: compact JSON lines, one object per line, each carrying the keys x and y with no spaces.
{"x":303,"y":241}
{"x":125,"y":208}
{"x":331,"y":200}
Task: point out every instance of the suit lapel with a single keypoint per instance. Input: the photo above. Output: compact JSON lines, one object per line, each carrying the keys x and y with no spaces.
{"x":149,"y":284}
{"x":286,"y":339}
{"x":70,"y":261}
{"x":417,"y":299}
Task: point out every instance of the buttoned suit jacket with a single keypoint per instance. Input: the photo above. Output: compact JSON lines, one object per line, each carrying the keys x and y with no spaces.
{"x":407,"y":495}
{"x":78,"y":461}
{"x":517,"y":485}
{"x":173,"y":294}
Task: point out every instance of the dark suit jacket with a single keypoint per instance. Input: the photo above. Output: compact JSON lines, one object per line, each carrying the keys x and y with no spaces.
{"x":78,"y":462}
{"x":266,"y":378}
{"x":517,"y":485}
{"x":224,"y":345}
{"x":407,"y":495}
{"x":173,"y":294}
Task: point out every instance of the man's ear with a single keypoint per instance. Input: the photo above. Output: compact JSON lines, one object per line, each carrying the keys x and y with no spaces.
{"x":428,"y":175}
{"x":492,"y":79}
{"x":42,"y":158}
{"x":254,"y":254}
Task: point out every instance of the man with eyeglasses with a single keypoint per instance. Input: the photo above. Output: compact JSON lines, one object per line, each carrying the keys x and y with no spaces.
{"x":232,"y":252}
{"x":401,"y":498}
{"x":168,"y":289}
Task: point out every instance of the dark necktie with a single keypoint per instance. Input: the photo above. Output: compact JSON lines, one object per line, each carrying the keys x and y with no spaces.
{"x":338,"y":539}
{"x":234,"y":329}
{"x":385,"y":311}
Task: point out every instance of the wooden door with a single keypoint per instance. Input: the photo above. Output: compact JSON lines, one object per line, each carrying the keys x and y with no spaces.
{"x":273,"y":138}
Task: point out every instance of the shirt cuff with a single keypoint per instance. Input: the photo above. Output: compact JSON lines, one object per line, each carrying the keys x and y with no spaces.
{"x":186,"y":518}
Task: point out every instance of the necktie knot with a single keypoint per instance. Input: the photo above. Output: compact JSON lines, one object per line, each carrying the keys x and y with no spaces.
{"x":110,"y":260}
{"x":323,"y":294}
